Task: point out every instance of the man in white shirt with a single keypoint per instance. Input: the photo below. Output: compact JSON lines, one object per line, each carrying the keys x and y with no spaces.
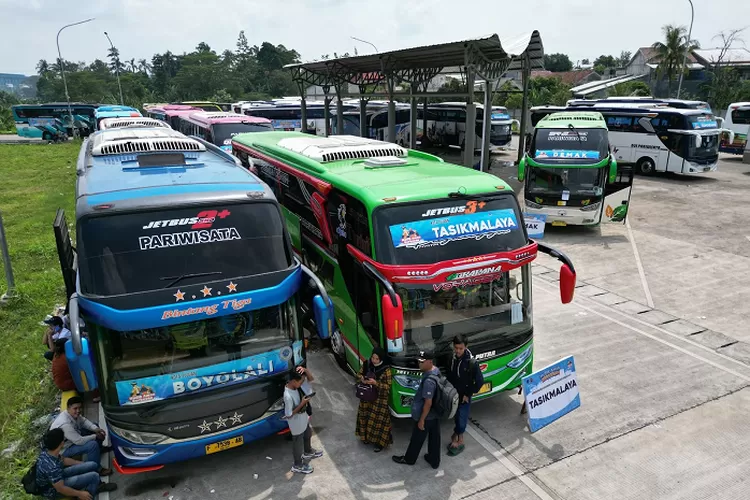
{"x":82,"y":436}
{"x":56,"y":331}
{"x":296,"y":405}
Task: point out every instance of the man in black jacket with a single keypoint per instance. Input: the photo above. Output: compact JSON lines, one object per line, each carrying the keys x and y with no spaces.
{"x":467,"y":378}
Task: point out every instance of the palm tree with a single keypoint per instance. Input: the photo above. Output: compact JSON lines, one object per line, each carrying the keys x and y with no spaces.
{"x":670,"y":53}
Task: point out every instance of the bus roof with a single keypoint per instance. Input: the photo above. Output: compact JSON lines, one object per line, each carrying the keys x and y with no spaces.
{"x":354,"y":164}
{"x":137,"y":167}
{"x":214,"y":117}
{"x":578,"y":119}
{"x":115,"y":108}
{"x":121,"y":122}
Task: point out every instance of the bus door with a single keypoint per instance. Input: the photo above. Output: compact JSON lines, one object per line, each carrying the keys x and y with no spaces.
{"x":360,"y":322}
{"x":617,"y":195}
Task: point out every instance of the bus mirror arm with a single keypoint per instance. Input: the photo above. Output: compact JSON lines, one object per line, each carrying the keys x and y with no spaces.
{"x":557,"y":255}
{"x":318,"y":283}
{"x":75,"y":325}
{"x":370,"y":269}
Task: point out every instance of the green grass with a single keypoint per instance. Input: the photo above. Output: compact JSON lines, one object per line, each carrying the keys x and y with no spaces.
{"x":36,"y":181}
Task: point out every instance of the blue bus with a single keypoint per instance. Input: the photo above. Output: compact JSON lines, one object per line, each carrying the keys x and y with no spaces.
{"x":189,"y":292}
{"x":111,"y":111}
{"x":52,"y":120}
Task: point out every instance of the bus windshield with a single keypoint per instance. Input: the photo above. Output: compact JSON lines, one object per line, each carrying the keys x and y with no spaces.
{"x":158,"y":363}
{"x":583,"y":181}
{"x":570,"y":145}
{"x":136,"y":252}
{"x":701,"y":122}
{"x":223,"y":132}
{"x":489,"y":307}
{"x":439,"y":230}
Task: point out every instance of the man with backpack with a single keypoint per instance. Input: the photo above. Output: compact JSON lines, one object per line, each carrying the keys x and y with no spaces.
{"x":466,"y":376}
{"x":425,"y":415}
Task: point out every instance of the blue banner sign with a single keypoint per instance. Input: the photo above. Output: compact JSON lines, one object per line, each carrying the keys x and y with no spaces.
{"x":286,"y":124}
{"x":500,"y":116}
{"x":442,"y":230}
{"x":706,"y":122}
{"x":551,"y":393}
{"x":158,"y":387}
{"x":566,"y":154}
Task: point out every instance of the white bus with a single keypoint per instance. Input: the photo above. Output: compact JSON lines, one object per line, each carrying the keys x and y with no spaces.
{"x":738,"y":121}
{"x":446,"y":125}
{"x":653,"y":101}
{"x":289,"y":116}
{"x":657,"y":139}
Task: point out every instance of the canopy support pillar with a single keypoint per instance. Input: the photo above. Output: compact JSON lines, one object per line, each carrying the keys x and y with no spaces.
{"x":471,"y":119}
{"x":524,"y":108}
{"x":484,"y":164}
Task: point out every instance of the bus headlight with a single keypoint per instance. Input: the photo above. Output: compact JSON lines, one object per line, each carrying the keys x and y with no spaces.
{"x":278,"y":405}
{"x":408,"y":381}
{"x":531,"y":204}
{"x":591,"y":208}
{"x":519,"y":360}
{"x":138,"y":437}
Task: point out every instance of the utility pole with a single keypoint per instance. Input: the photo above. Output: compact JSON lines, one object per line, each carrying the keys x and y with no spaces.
{"x":62,"y":70}
{"x":684,"y":59}
{"x":11,"y":293}
{"x":117,"y":67}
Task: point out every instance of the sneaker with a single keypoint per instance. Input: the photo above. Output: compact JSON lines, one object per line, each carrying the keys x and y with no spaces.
{"x":105,"y":487}
{"x":302,"y":469}
{"x":312,"y":454}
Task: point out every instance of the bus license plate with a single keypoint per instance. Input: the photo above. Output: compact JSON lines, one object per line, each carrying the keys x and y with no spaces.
{"x":224,"y":445}
{"x":485,"y":388}
{"x":559,"y":223}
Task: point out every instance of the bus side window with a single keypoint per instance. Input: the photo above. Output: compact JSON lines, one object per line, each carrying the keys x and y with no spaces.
{"x":208,"y":135}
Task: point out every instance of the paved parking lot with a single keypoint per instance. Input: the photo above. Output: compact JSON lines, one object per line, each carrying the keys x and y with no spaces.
{"x":663,"y":370}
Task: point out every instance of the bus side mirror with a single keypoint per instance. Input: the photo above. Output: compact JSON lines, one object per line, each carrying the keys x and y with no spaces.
{"x":612,"y":169}
{"x":646,"y":124}
{"x":522,"y":169}
{"x":81,"y":365}
{"x":698,"y":140}
{"x":567,"y":284}
{"x":323,"y":316}
{"x":393,"y":320}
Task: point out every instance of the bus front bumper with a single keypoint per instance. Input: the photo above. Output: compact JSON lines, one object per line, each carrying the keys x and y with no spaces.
{"x":699,"y":168}
{"x":131,"y":456}
{"x":567,"y":216}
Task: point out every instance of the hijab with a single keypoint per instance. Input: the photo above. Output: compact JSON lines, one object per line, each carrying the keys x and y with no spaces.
{"x":385,"y":361}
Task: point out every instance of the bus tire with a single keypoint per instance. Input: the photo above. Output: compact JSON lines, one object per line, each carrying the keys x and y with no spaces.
{"x":646,"y":166}
{"x":46,"y":136}
{"x":336,"y":344}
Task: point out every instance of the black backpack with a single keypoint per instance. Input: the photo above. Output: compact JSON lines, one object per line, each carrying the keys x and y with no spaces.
{"x":445,"y":400}
{"x":29,"y":482}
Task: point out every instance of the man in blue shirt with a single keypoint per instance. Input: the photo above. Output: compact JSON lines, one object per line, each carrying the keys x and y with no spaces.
{"x":426,"y":419}
{"x":59,"y":476}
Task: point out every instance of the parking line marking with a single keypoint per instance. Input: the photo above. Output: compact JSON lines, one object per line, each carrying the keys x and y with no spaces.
{"x":639,"y":264}
{"x":501,"y":456}
{"x":746,"y":378}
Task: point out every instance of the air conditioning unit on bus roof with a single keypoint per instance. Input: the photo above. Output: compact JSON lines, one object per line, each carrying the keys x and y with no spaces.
{"x":341,"y":147}
{"x":142,"y":140}
{"x":110,"y":123}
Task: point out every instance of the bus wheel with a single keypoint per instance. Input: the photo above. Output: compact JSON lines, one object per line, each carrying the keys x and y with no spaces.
{"x":646,"y":166}
{"x":46,"y":136}
{"x":338,"y":348}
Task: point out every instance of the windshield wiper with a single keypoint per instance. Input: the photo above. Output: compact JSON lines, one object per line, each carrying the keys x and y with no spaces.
{"x":571,"y":127}
{"x":177,"y":279}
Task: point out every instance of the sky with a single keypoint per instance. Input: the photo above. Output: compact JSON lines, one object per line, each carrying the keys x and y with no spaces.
{"x":583,"y":29}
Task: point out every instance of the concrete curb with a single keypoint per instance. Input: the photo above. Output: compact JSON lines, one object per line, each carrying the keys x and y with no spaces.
{"x":717,"y":341}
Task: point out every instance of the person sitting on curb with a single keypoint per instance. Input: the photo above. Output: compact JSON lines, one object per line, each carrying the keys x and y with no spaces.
{"x":82,"y":436}
{"x":61,"y":375}
{"x":59,"y":476}
{"x":55,"y":332}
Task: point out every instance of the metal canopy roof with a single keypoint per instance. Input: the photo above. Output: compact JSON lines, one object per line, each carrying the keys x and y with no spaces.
{"x":417,"y":66}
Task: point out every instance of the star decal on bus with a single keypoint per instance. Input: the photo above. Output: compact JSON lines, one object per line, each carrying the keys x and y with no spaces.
{"x":232,"y":287}
{"x":236,"y":418}
{"x":222,"y":422}
{"x":206,"y":291}
{"x":205,"y":427}
{"x":179,"y":296}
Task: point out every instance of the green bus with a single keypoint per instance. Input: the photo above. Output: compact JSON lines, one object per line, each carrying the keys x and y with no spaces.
{"x":570,"y":176}
{"x":412,"y":251}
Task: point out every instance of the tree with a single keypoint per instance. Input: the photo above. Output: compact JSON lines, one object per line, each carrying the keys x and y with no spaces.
{"x":557,"y":62}
{"x":624,"y":58}
{"x":585,"y":62}
{"x":671,"y":53}
{"x":114,"y":57}
{"x":724,"y":85}
{"x":630,"y":89}
{"x":603,"y":63}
